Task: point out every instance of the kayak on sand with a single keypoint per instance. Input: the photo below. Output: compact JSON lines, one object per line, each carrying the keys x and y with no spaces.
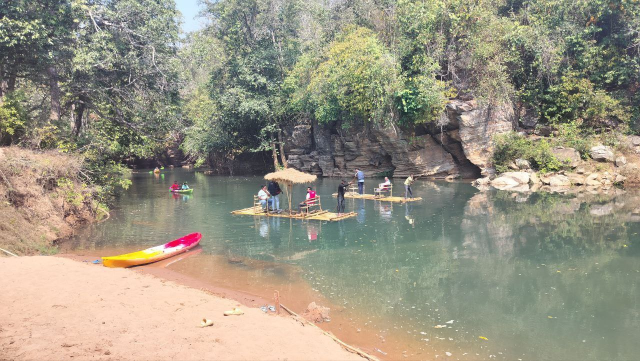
{"x":154,"y":254}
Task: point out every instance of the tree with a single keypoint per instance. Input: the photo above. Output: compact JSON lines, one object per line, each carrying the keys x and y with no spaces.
{"x":352,"y":80}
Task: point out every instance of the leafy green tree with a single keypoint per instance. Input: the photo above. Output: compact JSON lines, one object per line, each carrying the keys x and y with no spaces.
{"x":353,"y":80}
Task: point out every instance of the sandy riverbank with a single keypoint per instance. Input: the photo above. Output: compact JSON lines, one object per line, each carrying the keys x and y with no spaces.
{"x":57,"y":308}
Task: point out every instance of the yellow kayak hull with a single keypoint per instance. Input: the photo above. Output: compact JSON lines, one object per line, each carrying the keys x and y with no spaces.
{"x":154,"y":254}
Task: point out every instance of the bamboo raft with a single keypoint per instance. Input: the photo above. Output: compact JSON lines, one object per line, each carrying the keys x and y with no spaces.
{"x":316,"y":216}
{"x":379,"y":198}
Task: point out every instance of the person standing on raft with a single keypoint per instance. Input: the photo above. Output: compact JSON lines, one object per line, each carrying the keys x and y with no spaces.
{"x":274,"y":190}
{"x":407,"y":187}
{"x":360,"y":175}
{"x":341,"y":188}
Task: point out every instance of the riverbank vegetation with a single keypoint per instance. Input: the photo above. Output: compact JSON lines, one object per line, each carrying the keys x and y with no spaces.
{"x":43,"y":196}
{"x":114,"y":80}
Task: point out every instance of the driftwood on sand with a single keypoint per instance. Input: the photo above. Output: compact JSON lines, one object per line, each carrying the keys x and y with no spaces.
{"x":344,"y":345}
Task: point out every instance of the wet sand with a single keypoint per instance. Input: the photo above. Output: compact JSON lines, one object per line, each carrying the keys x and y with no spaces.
{"x":253,"y":283}
{"x":58,"y":308}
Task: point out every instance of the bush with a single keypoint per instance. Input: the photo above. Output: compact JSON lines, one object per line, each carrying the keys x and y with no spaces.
{"x":571,"y":135}
{"x":511,"y":146}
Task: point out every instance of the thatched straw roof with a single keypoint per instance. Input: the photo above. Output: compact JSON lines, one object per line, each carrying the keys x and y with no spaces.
{"x":290,"y":176}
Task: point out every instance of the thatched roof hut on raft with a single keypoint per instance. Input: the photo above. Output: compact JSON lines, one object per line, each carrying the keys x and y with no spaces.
{"x":289,"y":177}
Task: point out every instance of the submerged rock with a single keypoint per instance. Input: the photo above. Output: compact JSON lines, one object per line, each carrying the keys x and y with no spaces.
{"x":316,"y":313}
{"x":555,"y":180}
{"x":601,"y":209}
{"x":576,"y":179}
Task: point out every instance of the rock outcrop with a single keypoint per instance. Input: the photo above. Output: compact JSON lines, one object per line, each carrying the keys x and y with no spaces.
{"x":462,"y":147}
{"x":478,"y":125}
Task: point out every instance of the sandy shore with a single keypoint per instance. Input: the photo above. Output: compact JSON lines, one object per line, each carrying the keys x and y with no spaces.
{"x":55,"y":308}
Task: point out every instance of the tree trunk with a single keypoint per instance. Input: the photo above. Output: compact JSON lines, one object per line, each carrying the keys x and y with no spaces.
{"x":77,"y":124}
{"x":3,"y":83}
{"x":276,"y":165}
{"x":11,"y":83}
{"x":54,"y":91}
{"x":281,"y":144}
{"x":7,"y":83}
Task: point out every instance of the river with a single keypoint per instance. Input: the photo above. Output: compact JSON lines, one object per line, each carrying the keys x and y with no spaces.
{"x":477,"y":275}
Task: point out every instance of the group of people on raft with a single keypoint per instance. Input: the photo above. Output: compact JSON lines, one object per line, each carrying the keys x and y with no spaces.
{"x":269,"y":195}
{"x":177,"y":187}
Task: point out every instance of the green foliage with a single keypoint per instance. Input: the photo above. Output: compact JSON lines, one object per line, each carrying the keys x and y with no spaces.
{"x":13,"y":117}
{"x":512,"y":146}
{"x":353,"y":79}
{"x":69,"y":193}
{"x":577,"y":99}
{"x":421,"y":99}
{"x":572,"y":135}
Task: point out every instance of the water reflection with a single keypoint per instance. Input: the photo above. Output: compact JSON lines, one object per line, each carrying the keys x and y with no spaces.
{"x":360,"y":208}
{"x":539,"y":275}
{"x":408,"y":214}
{"x":385,"y":209}
{"x":313,"y":229}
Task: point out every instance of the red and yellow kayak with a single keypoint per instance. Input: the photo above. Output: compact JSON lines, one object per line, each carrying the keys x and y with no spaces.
{"x":154,"y":254}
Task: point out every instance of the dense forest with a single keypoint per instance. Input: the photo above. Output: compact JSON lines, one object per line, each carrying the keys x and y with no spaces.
{"x":115,"y":80}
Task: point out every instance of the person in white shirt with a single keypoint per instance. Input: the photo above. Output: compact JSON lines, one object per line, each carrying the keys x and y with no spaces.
{"x":383,"y":187}
{"x":263,"y":197}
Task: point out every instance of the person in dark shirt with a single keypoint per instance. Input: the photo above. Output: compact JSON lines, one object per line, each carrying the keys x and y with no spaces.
{"x":274,"y":190}
{"x":341,"y":190}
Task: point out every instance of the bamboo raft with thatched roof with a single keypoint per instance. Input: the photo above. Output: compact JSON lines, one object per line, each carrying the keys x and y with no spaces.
{"x":316,"y":216}
{"x":289,"y":177}
{"x":379,"y":198}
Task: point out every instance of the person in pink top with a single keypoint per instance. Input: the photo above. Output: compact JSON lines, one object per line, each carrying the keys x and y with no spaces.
{"x":309,"y":201}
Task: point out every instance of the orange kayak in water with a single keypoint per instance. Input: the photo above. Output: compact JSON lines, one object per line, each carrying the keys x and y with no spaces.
{"x":154,"y":254}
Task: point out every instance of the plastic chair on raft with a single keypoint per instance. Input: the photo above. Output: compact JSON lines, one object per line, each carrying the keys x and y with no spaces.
{"x":311,"y":203}
{"x":383,"y":189}
{"x":257,"y":207}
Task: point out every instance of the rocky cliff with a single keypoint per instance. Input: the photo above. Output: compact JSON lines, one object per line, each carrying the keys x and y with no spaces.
{"x":460,"y":146}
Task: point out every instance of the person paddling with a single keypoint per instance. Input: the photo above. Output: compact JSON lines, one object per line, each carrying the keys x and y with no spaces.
{"x":175,"y":186}
{"x":407,"y":186}
{"x":341,"y":189}
{"x":360,"y":175}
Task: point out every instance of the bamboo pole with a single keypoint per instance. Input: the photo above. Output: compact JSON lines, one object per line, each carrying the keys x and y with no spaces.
{"x":7,"y":252}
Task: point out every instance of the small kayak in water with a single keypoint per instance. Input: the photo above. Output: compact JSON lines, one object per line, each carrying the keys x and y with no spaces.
{"x":154,"y":254}
{"x":182,"y":191}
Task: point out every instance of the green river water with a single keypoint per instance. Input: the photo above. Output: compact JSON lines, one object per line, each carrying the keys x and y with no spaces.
{"x":531,"y":277}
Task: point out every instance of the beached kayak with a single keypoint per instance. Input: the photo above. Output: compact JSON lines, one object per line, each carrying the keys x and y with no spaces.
{"x":183,"y":191}
{"x":154,"y":254}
